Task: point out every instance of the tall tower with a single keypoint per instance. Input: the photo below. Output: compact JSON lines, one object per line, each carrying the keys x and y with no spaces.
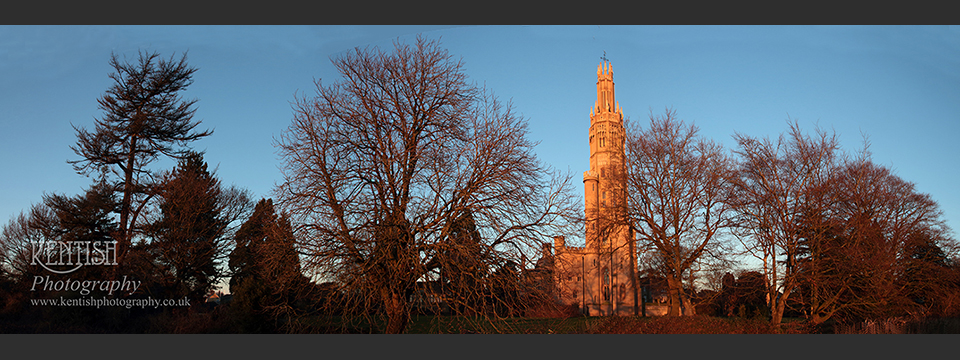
{"x":605,"y":182}
{"x":605,"y":268}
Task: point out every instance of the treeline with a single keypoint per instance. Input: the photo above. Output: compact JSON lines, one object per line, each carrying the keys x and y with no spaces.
{"x":834,"y":235}
{"x":408,"y":189}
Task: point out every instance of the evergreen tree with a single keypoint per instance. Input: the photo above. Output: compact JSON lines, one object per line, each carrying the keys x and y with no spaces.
{"x":930,"y":278}
{"x":144,"y":118}
{"x":188,"y":242}
{"x":87,"y":217}
{"x":266,"y":276}
{"x":78,"y":230}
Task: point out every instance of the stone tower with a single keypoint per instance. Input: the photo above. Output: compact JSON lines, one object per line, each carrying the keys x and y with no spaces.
{"x":601,"y":276}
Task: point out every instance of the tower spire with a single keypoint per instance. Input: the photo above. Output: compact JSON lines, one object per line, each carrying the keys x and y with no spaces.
{"x":606,"y":100}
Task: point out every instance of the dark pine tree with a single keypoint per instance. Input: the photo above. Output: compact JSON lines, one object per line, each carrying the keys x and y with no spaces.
{"x":266,"y":276}
{"x":188,"y":238}
{"x":85,"y":218}
{"x":144,"y":118}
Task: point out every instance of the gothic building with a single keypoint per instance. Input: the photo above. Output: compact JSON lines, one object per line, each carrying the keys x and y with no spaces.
{"x":600,"y":277}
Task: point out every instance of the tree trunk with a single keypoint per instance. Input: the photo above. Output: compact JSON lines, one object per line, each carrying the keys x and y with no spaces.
{"x":688,"y":309}
{"x":123,"y":243}
{"x":815,"y":319}
{"x":396,"y":307}
{"x":637,"y":298}
{"x":673,"y":286}
{"x":780,"y":303}
{"x":776,"y":314}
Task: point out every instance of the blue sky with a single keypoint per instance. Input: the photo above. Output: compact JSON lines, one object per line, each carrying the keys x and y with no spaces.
{"x":899,"y":85}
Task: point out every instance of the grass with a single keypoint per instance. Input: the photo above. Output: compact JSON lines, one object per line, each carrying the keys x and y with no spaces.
{"x":483,"y":325}
{"x":903,"y":326}
{"x":599,"y":325}
{"x":214,"y":322}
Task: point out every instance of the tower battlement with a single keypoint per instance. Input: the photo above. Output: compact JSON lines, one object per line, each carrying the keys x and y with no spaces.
{"x":590,"y":175}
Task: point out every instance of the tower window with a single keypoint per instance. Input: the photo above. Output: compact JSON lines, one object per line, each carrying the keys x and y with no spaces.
{"x":606,"y":284}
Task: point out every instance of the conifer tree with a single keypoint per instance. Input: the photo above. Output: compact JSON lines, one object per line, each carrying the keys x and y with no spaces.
{"x":188,"y":240}
{"x":266,"y":274}
{"x":60,"y":218}
{"x":144,"y":118}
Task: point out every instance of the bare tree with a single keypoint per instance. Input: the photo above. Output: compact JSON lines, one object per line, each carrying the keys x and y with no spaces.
{"x":16,"y":240}
{"x":869,"y":244}
{"x":773,"y":195}
{"x":840,"y":237}
{"x":678,"y":192}
{"x":144,"y":118}
{"x":379,"y":166}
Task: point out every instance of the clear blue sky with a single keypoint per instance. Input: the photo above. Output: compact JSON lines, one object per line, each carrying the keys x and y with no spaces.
{"x":899,"y":85}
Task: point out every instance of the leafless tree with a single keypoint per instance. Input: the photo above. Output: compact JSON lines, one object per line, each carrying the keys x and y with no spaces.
{"x":838,"y":235}
{"x":379,"y":166}
{"x":16,"y":240}
{"x":773,"y":191}
{"x":865,"y":240}
{"x":678,"y":192}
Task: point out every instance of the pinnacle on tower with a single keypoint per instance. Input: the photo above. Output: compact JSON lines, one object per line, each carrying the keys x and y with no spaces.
{"x":605,"y":68}
{"x":606,"y":102}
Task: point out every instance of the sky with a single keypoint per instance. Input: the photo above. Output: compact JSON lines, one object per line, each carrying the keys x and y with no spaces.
{"x":897,"y":85}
